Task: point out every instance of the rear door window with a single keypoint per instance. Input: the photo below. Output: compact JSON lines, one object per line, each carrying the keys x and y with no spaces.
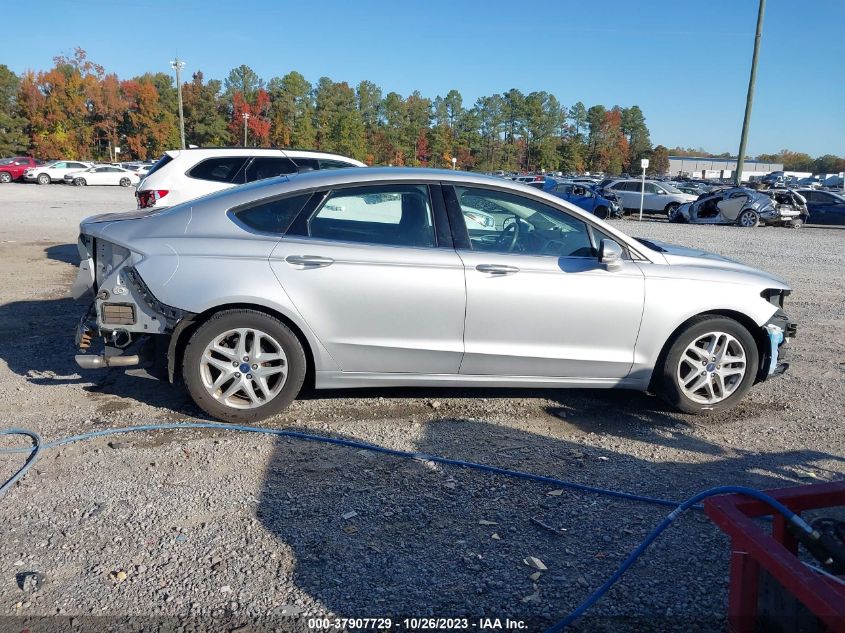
{"x":273,"y":216}
{"x":333,"y":164}
{"x":396,"y":215}
{"x":220,"y":169}
{"x":263,"y":167}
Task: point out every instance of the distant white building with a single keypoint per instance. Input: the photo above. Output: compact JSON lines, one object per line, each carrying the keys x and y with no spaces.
{"x":704,"y":167}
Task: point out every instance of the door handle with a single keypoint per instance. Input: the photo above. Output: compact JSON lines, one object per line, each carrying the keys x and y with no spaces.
{"x":497,"y":269}
{"x":309,"y":261}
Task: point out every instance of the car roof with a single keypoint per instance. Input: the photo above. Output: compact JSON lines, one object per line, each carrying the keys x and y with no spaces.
{"x":255,"y":151}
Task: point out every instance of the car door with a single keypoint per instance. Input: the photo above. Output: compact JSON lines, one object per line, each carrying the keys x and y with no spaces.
{"x":97,"y":176}
{"x":373,"y":272}
{"x":538,"y":301}
{"x":57,"y":171}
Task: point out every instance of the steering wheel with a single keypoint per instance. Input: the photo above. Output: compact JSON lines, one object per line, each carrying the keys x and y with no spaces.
{"x":510,"y":234}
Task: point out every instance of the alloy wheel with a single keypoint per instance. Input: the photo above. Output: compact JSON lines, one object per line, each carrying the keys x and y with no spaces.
{"x":243,"y":368}
{"x":711,"y":368}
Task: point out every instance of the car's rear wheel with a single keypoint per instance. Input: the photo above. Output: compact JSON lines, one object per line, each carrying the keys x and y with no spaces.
{"x":125,"y":182}
{"x":796,"y":224}
{"x":710,"y":365}
{"x":43,"y":179}
{"x":243,"y":366}
{"x":601,"y":212}
{"x":79,"y":182}
{"x":5,"y":177}
{"x":748,"y":219}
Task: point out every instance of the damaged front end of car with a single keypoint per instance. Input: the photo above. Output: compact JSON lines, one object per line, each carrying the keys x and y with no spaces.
{"x":123,"y":313}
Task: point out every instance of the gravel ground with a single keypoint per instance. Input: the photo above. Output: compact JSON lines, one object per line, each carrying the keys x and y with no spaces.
{"x":216,"y":530}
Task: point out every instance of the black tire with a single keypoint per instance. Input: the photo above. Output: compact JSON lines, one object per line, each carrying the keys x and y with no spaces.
{"x":125,"y":182}
{"x":43,"y":179}
{"x":748,"y":219}
{"x":79,"y":182}
{"x":5,"y":177}
{"x":601,"y":212}
{"x":670,"y":209}
{"x":232,"y":319}
{"x":667,"y":383}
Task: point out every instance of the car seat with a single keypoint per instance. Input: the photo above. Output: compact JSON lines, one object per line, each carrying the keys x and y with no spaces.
{"x":414,"y":225}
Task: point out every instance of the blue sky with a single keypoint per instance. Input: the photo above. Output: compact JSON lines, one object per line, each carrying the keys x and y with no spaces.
{"x":684,"y":62}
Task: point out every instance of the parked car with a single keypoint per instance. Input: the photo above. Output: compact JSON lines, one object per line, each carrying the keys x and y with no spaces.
{"x":13,"y":168}
{"x":102,"y":175}
{"x":185,"y":174}
{"x":658,"y":196}
{"x":372,"y":278}
{"x":584,"y":196}
{"x":744,"y":207}
{"x":54,"y":171}
{"x":825,"y":207}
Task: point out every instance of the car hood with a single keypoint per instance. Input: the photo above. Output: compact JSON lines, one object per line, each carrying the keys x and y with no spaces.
{"x":677,"y":255}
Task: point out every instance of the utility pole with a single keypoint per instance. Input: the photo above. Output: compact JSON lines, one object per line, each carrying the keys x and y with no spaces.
{"x":178,"y":65}
{"x":245,"y":115}
{"x":746,"y":121}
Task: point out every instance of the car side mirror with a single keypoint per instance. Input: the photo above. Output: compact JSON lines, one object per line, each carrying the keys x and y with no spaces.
{"x":610,"y":254}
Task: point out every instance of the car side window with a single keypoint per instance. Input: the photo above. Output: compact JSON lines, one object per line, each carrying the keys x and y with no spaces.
{"x":395,"y":215}
{"x":522,"y":225}
{"x":263,"y":167}
{"x":634,"y":185}
{"x":60,"y":165}
{"x":220,"y":169}
{"x":333,"y":164}
{"x":650,"y":187}
{"x":272,"y":216}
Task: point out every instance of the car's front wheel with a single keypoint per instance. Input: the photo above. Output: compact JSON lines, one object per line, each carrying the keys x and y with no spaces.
{"x":602,"y":212}
{"x":125,"y":182}
{"x":243,"y":366}
{"x":671,"y":210}
{"x":79,"y":182}
{"x":43,"y":179}
{"x":710,"y":365}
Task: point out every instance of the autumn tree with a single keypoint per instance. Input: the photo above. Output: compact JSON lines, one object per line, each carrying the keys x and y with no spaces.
{"x":205,"y":112}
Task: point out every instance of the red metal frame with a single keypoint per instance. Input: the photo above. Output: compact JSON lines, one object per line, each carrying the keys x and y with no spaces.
{"x":753,"y":549}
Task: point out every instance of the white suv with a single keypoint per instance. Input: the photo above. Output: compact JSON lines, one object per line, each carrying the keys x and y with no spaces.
{"x":54,"y":171}
{"x":184,"y":174}
{"x":658,"y":196}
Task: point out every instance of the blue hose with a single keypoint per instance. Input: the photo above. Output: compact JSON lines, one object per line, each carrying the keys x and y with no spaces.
{"x":679,"y":508}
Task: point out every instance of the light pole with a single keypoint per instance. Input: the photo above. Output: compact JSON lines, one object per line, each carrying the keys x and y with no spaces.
{"x":454,"y":162}
{"x":178,"y":65}
{"x":245,"y":115}
{"x":644,"y":165}
{"x":746,"y":121}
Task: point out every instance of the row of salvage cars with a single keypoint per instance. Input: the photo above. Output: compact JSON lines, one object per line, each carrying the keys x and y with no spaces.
{"x":744,"y":207}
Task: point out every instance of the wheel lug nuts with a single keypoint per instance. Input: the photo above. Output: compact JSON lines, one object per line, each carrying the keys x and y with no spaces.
{"x":237,"y":374}
{"x":249,"y":376}
{"x":246,"y":359}
{"x":234,"y":363}
{"x":255,"y":366}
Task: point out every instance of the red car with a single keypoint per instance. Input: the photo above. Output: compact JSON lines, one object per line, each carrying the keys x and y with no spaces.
{"x":13,"y":168}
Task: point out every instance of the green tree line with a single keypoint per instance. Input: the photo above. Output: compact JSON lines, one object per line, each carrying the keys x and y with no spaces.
{"x":76,"y":109}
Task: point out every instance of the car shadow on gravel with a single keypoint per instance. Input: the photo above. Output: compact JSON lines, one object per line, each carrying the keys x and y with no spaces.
{"x":65,"y":253}
{"x":37,"y":342}
{"x":374,"y":535}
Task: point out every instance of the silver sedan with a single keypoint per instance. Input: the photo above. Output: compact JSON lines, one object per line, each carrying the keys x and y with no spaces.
{"x":386,"y":277}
